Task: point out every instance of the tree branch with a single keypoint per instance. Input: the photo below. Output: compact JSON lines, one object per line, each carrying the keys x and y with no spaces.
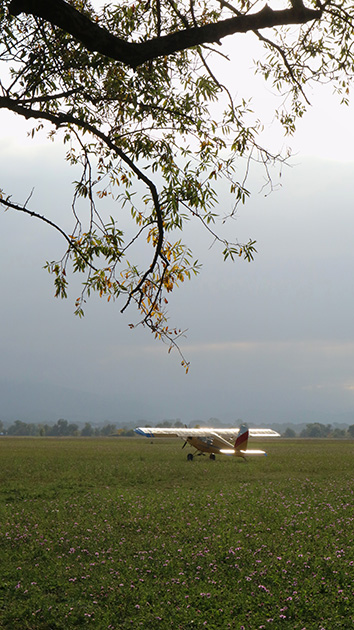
{"x":72,"y":244}
{"x":60,"y":119}
{"x":98,"y":39}
{"x":281,"y":52}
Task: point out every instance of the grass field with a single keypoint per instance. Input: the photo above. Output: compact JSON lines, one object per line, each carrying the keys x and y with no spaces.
{"x":124,"y":533}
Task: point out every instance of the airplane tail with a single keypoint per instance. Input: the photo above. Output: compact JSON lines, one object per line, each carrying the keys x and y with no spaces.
{"x":242,"y":439}
{"x":241,"y":444}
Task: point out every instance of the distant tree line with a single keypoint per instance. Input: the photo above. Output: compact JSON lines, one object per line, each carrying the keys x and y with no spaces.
{"x":318,"y":430}
{"x":166,"y":424}
{"x":62,"y":428}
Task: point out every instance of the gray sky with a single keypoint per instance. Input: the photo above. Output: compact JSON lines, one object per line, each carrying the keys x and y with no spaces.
{"x":270,"y":341}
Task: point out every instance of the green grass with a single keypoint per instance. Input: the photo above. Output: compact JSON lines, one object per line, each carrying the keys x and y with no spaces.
{"x":125,"y":533}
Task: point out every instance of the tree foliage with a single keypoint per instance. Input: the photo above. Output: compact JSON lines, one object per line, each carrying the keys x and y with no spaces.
{"x":351,"y":430}
{"x":62,"y":428}
{"x":129,"y":88}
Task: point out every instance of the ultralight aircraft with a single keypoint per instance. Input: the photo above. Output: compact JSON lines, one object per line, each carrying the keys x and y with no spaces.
{"x":212,"y":441}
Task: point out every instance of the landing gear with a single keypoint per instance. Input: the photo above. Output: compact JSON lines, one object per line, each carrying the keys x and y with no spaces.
{"x":190,"y":456}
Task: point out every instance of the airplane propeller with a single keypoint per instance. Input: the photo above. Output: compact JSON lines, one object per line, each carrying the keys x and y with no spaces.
{"x":186,"y":442}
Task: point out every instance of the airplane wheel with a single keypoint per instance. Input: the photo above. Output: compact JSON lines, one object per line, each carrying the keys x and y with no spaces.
{"x":190,"y":457}
{"x":212,"y":456}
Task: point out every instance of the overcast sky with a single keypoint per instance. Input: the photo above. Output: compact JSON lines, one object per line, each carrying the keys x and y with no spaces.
{"x":270,"y":341}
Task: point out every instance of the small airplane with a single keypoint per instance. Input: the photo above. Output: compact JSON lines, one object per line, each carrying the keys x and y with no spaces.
{"x":212,"y":441}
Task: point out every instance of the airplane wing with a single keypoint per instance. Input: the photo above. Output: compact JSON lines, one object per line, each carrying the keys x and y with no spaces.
{"x":224,"y":435}
{"x":184,"y":433}
{"x":153,"y":432}
{"x":263,"y":433}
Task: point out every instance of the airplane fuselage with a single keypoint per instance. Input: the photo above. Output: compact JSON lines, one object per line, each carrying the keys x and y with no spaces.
{"x":205,"y":445}
{"x":232,"y":442}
